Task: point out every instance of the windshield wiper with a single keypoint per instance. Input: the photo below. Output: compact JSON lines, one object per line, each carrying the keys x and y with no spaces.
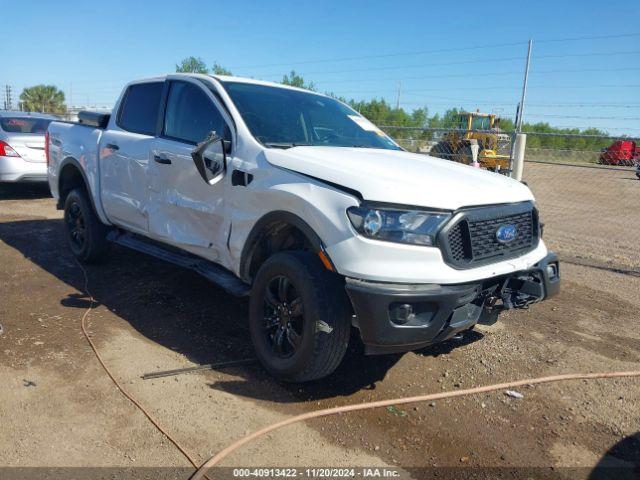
{"x":285,"y":144}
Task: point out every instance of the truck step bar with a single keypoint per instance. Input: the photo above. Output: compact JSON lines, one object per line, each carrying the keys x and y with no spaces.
{"x":212,"y":272}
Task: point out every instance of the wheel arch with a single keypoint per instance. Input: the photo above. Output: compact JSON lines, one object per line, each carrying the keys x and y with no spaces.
{"x":276,"y":232}
{"x":71,"y":176}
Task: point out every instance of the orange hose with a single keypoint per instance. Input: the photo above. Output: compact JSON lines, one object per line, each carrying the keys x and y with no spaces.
{"x":124,"y":392}
{"x":216,"y":459}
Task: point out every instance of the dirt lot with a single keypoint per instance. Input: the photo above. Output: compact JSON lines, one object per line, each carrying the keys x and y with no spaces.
{"x":58,"y":408}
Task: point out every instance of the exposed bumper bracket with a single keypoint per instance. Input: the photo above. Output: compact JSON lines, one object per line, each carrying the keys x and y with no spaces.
{"x":394,"y":317}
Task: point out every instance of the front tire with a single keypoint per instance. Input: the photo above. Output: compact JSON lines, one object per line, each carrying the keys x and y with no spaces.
{"x":86,"y":234}
{"x":298,"y":317}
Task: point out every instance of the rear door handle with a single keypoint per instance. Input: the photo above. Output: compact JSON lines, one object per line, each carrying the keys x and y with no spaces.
{"x":112,"y":146}
{"x":162,"y":160}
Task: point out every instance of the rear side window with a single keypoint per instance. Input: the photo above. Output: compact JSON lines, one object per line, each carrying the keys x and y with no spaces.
{"x":191,"y":115}
{"x":24,"y":125}
{"x":139,"y":111}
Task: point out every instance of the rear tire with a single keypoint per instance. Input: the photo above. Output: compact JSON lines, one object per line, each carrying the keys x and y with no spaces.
{"x":86,"y":234}
{"x":298,"y":317}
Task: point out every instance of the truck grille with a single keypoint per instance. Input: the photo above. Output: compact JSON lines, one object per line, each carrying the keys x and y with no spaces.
{"x":470,"y":239}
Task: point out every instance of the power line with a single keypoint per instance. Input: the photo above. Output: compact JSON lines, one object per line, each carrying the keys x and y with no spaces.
{"x":511,"y":87}
{"x":382,"y":55}
{"x":464,"y":62}
{"x":506,"y":103}
{"x":422,"y":65}
{"x":589,"y":37}
{"x":580,"y":117}
{"x":423,"y":52}
{"x":465,"y":75}
{"x":588,"y":54}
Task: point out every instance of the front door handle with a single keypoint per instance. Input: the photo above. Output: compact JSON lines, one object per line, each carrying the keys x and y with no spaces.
{"x":112,"y":146}
{"x":162,"y":160}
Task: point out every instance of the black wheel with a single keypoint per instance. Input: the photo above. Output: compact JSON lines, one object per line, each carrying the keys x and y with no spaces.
{"x":86,"y":234}
{"x":298,"y":317}
{"x":464,"y":155}
{"x":441,"y":150}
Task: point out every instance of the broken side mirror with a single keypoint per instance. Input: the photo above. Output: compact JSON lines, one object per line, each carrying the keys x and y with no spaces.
{"x":210,"y":157}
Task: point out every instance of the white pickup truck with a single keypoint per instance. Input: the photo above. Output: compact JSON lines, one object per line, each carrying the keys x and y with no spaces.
{"x":295,"y":199}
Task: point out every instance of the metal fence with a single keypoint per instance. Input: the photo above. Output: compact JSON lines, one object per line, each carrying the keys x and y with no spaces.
{"x":588,"y":198}
{"x":581,"y":149}
{"x":493,"y":152}
{"x":451,"y":144}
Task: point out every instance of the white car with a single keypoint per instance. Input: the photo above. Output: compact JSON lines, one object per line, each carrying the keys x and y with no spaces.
{"x":307,"y":207}
{"x":22,"y":157}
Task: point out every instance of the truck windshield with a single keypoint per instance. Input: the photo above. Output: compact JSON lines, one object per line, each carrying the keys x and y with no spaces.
{"x":284,"y":118}
{"x":24,"y":124}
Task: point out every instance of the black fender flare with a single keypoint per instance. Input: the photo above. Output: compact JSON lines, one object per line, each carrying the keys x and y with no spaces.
{"x":259,"y":230}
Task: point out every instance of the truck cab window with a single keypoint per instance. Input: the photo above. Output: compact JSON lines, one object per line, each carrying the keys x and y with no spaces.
{"x":139,"y":111}
{"x":190,"y":115}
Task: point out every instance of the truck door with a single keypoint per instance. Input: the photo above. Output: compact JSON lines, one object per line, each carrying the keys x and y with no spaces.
{"x":184,"y":210}
{"x":125,"y":150}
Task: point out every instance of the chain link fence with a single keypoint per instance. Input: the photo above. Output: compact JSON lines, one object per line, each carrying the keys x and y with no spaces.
{"x":586,"y":189}
{"x":494,"y":145}
{"x":582,"y":149}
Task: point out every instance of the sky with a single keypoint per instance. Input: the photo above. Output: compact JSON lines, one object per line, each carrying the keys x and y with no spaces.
{"x":436,"y":54}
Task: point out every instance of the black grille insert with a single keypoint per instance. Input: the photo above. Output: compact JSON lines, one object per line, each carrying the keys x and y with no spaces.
{"x":470,"y":238}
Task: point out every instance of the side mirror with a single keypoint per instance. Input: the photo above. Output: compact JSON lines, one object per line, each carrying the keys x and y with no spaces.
{"x":210,"y":157}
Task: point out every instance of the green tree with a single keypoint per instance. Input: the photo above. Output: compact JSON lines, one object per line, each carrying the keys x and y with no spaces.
{"x":197,"y":65}
{"x":43,"y":98}
{"x":295,"y":80}
{"x":218,"y":69}
{"x":192,"y":65}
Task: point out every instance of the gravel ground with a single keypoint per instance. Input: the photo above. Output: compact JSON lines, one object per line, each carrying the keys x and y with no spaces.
{"x":58,"y":408}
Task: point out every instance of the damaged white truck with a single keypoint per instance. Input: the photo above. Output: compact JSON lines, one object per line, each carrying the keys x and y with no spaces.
{"x":293,"y":198}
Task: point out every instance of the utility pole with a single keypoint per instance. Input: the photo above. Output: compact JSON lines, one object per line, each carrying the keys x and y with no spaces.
{"x":398,"y":96}
{"x":7,"y":98}
{"x":524,"y":89}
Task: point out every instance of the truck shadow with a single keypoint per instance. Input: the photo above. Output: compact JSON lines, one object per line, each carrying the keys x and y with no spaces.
{"x":621,"y":461}
{"x":182,"y":311}
{"x":24,"y":191}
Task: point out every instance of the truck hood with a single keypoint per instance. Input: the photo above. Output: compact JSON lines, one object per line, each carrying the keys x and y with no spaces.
{"x":399,"y":177}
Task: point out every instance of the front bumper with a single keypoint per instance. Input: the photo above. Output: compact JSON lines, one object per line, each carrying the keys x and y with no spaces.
{"x":16,"y":169}
{"x":403,"y":317}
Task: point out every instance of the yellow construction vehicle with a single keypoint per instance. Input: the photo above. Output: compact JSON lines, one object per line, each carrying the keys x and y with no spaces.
{"x":481,"y":129}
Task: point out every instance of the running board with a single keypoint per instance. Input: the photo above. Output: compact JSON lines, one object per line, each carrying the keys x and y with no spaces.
{"x":212,"y":272}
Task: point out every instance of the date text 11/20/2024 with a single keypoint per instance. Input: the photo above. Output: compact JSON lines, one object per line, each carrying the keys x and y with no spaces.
{"x":364,"y":472}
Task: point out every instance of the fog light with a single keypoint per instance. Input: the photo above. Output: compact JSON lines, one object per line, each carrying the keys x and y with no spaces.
{"x":402,"y":313}
{"x":552,"y":271}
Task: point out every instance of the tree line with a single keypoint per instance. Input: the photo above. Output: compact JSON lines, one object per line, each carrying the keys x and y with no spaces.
{"x":418,"y":125}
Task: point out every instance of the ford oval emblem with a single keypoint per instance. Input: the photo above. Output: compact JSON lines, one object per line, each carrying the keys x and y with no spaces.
{"x":506,"y":233}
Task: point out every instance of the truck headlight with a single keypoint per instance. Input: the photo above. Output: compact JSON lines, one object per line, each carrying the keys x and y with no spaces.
{"x":416,"y":227}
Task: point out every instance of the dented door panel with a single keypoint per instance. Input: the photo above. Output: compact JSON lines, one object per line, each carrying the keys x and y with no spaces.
{"x":183,"y":209}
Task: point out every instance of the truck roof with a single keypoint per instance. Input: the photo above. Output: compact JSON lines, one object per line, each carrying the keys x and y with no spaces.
{"x":226,"y":78}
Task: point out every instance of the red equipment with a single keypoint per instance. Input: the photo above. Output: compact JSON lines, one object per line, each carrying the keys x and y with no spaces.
{"x":621,"y":152}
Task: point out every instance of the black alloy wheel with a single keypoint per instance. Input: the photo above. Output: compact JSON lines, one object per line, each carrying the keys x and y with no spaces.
{"x":76,"y":225}
{"x":283,"y":316}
